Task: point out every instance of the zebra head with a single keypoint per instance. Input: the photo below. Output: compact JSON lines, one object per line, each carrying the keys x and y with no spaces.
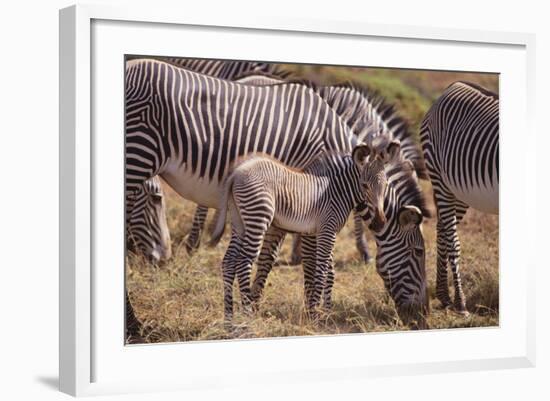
{"x":147,"y":228}
{"x":372,"y":160}
{"x":400,"y":258}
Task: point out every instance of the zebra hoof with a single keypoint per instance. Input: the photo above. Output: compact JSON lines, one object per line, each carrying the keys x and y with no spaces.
{"x":445,"y":303}
{"x":461,"y":310}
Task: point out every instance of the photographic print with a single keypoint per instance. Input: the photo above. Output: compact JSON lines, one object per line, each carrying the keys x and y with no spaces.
{"x":274,"y":200}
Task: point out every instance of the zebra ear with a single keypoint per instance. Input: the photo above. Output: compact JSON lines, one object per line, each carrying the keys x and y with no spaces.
{"x":393,"y":149}
{"x":360,"y":154}
{"x":409,"y":215}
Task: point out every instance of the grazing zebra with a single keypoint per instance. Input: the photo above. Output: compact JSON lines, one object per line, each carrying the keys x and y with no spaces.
{"x":261,"y":192}
{"x":146,"y":224}
{"x":459,"y":136}
{"x":359,"y":108}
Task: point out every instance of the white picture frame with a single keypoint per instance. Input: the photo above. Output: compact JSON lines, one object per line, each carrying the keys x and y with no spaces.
{"x":92,"y":38}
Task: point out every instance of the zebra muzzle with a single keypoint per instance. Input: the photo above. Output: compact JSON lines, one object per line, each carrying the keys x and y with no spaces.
{"x":378,"y":221}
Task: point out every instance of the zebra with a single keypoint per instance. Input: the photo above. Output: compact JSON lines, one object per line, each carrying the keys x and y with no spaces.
{"x":317,"y":200}
{"x":460,"y":141}
{"x":358,"y":107}
{"x":146,"y":224}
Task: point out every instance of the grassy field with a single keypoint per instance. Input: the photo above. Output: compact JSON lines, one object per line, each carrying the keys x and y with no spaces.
{"x":182,"y":300}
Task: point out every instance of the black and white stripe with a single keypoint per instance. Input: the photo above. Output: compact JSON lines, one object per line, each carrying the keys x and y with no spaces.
{"x":460,"y":140}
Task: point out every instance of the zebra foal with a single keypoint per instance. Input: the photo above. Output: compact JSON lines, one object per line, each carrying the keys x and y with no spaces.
{"x":261,"y":193}
{"x":460,"y":140}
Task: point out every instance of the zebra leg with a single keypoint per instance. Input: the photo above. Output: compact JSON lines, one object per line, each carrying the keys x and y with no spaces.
{"x":213,"y":222}
{"x":268,"y":254}
{"x":325,"y":246}
{"x":444,"y":202}
{"x":194,"y":238}
{"x":329,"y":283}
{"x":360,"y":239}
{"x":249,"y":253}
{"x":228,"y":272}
{"x":442,"y":281}
{"x":133,"y":325}
{"x":454,"y":261}
{"x":296,"y":253}
{"x":448,"y":245}
{"x":309,"y":247}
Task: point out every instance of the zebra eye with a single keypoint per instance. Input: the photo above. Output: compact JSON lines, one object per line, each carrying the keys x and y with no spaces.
{"x":418,"y":252}
{"x":157,"y":198}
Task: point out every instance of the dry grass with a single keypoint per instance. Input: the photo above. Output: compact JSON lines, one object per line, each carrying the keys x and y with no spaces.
{"x":182,"y":300}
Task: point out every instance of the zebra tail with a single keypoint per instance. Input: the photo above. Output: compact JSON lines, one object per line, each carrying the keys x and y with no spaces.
{"x":219,"y":228}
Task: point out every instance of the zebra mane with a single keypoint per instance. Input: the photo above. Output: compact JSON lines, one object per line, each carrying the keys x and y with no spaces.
{"x":386,"y":111}
{"x":477,"y":87}
{"x":402,"y":177}
{"x":270,"y":70}
{"x":276,"y":73}
{"x":390,"y":119}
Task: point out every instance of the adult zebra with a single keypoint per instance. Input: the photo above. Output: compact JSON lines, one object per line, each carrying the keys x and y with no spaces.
{"x":460,"y":140}
{"x":359,"y":108}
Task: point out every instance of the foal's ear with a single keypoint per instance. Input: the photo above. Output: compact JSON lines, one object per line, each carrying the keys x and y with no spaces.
{"x":393,"y":149}
{"x":360,"y":154}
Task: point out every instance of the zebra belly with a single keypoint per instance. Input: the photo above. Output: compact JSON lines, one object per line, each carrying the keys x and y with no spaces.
{"x":293,"y":225}
{"x":192,"y":187}
{"x":484,"y":199}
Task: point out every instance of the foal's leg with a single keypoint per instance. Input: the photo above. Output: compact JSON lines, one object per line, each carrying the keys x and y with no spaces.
{"x":268,"y":254}
{"x":228,"y":272}
{"x":325,"y":246}
{"x":255,"y":225}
